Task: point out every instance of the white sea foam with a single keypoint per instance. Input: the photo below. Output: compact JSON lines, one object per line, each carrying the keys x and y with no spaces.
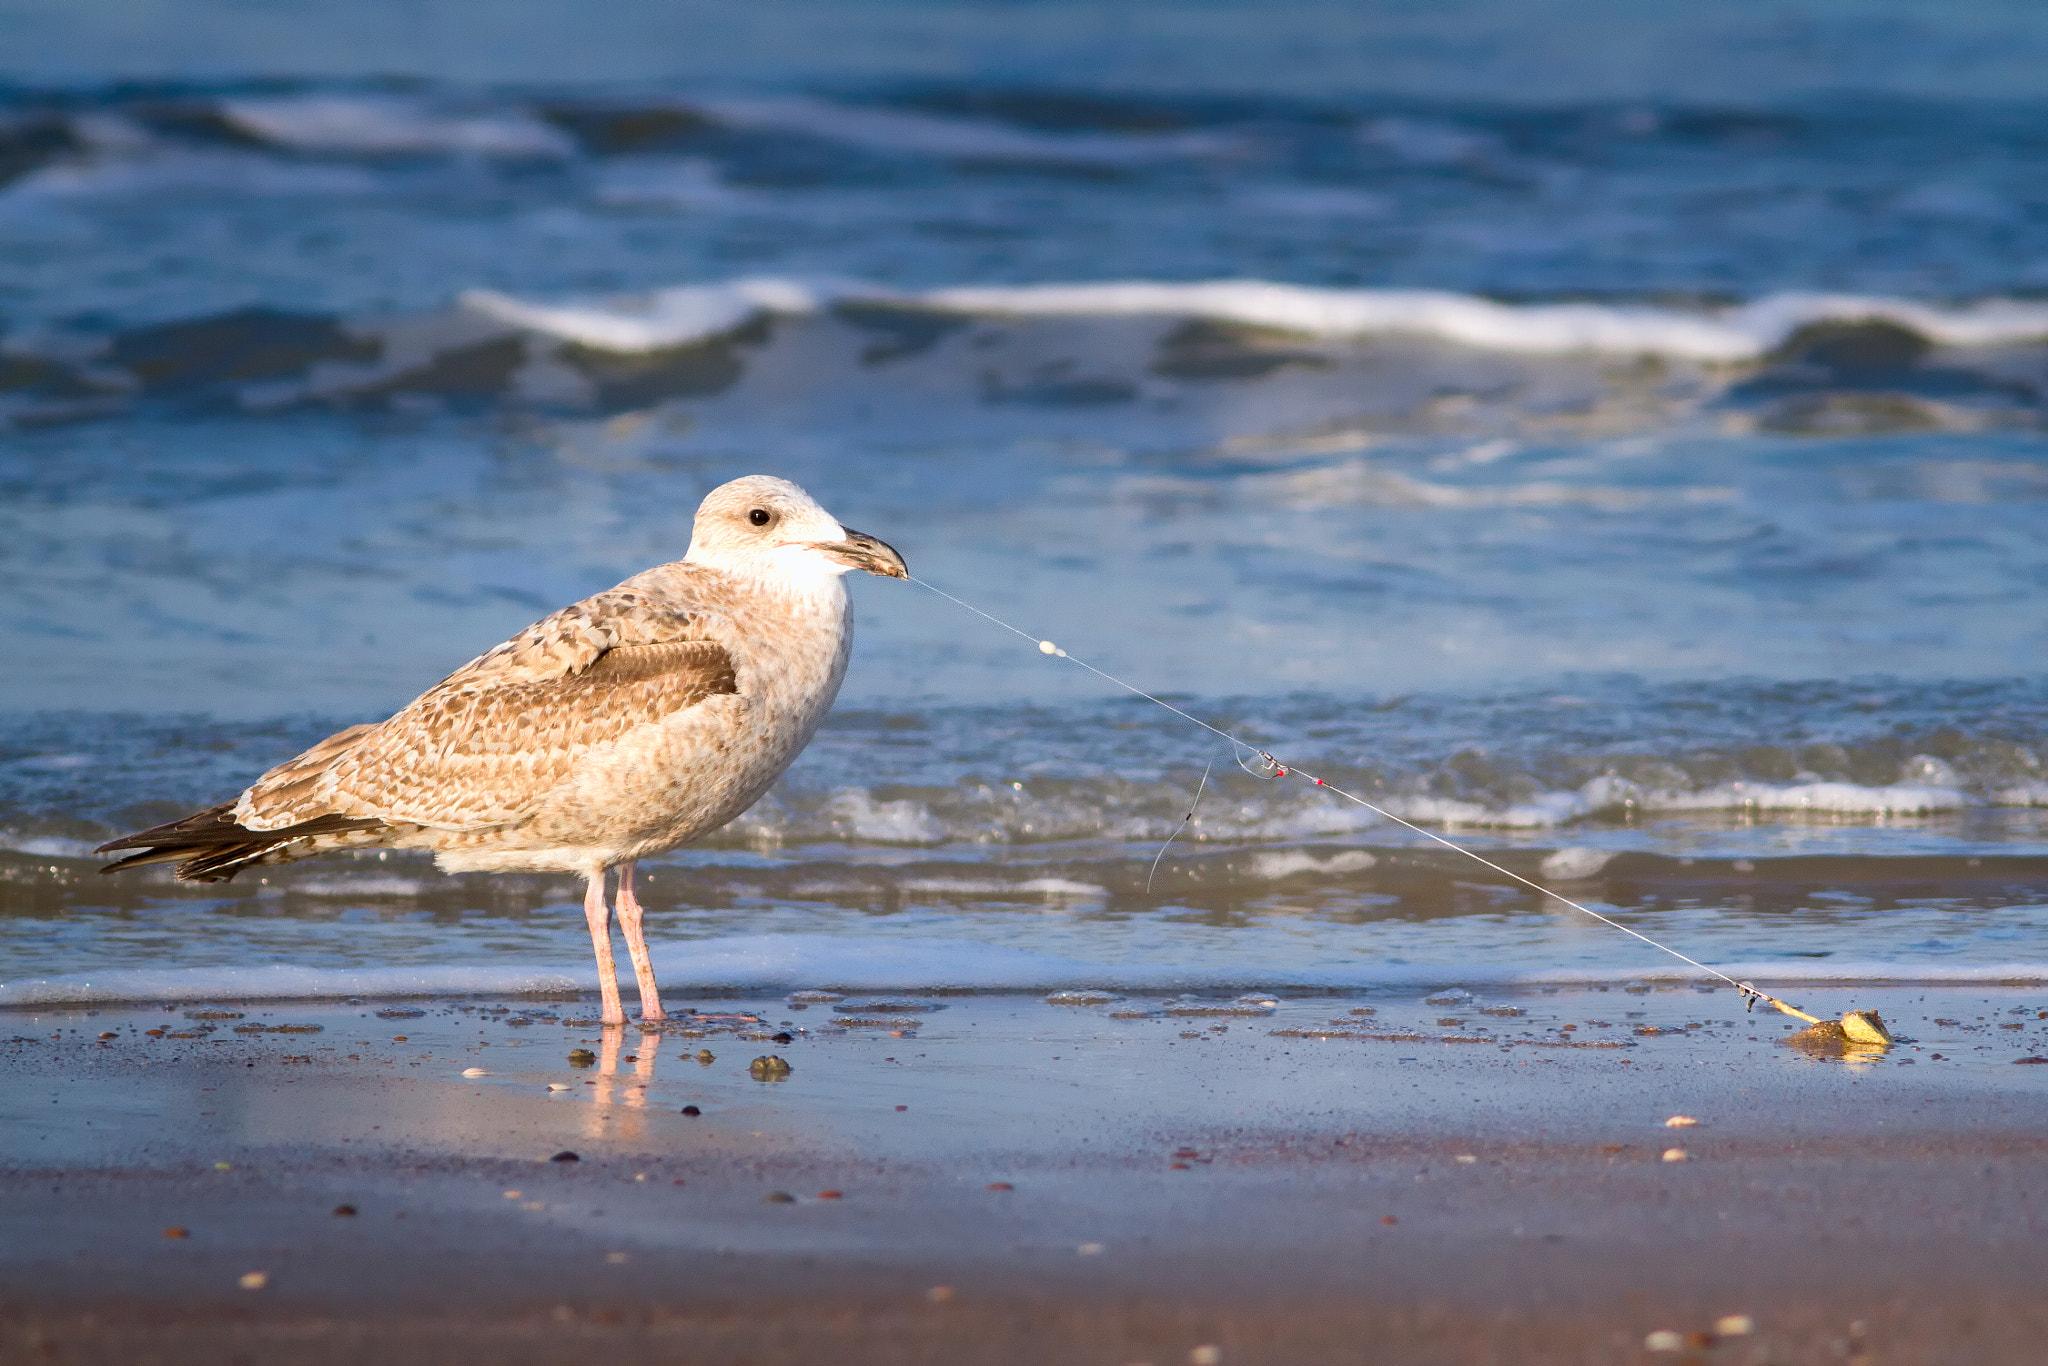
{"x":1737,"y":334}
{"x":1841,"y":799}
{"x":1605,"y":794}
{"x":1289,"y":862}
{"x":780,"y":963}
{"x":55,"y":763}
{"x":378,"y":124}
{"x":45,"y":846}
{"x":1991,"y":322}
{"x":1049,"y":888}
{"x":667,"y":317}
{"x":858,"y":814}
{"x":1746,"y":333}
{"x":1574,"y":861}
{"x":343,"y":888}
{"x":1063,"y":889}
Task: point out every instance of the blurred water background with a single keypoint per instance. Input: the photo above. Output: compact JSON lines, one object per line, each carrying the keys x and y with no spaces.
{"x":1610,"y":433}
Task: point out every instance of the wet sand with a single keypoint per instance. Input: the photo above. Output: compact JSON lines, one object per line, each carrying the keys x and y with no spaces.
{"x":1014,"y":1181}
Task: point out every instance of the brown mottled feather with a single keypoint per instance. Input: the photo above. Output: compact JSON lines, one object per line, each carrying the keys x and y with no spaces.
{"x":210,"y":845}
{"x":486,"y":744}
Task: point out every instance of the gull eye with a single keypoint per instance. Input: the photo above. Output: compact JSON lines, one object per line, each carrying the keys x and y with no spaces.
{"x":759,"y":517}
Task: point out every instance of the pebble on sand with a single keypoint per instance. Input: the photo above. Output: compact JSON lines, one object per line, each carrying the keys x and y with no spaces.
{"x":831,"y":1195}
{"x":1680,"y":1122}
{"x":560,"y":1086}
{"x":999,"y":1186}
{"x":474,"y":1072}
{"x":1389,"y":1220}
{"x":582,"y":1057}
{"x":1208,"y":1354}
{"x":1089,"y":1250}
{"x":1677,"y":1155}
{"x":176,"y":1231}
{"x":778,"y":1198}
{"x":769,"y":1065}
{"x":255,"y":1280}
{"x":939,"y":1294}
{"x":565,"y":1156}
{"x":1664,"y":1340}
{"x":692,"y":1111}
{"x":1734,"y":1326}
{"x":345,"y":1211}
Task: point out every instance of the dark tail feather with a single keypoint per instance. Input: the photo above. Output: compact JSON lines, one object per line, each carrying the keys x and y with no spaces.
{"x":211,"y":846}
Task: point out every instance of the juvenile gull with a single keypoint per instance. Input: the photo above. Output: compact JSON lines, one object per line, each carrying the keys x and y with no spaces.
{"x":613,"y":730}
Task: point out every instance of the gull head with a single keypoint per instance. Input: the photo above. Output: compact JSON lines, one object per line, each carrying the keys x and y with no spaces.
{"x":761,"y":526}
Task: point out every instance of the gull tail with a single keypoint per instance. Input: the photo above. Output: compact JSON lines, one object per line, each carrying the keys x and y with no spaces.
{"x":212,"y":846}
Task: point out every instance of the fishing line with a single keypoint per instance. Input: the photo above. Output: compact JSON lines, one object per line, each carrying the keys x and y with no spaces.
{"x":1185,"y":821}
{"x":1261,"y":764}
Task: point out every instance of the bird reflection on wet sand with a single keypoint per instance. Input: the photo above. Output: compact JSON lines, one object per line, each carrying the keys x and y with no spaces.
{"x":614,"y":1097}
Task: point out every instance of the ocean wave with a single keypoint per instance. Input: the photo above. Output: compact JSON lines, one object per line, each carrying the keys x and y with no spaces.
{"x":1746,"y":332}
{"x":1393,"y":360}
{"x":894,"y":130}
{"x":1118,"y":810}
{"x":782,"y":963}
{"x":161,"y":169}
{"x":1854,"y":800}
{"x":389,"y":125}
{"x":651,"y":322}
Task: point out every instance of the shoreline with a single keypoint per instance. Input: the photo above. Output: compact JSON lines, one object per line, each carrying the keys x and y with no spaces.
{"x":1174,"y":1182}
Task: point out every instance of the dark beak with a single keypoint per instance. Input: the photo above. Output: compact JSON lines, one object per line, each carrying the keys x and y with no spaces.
{"x":863,"y":551}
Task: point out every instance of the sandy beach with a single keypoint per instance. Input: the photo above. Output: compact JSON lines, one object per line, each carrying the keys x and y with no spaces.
{"x":1008,"y":1180}
{"x":1332,"y":441}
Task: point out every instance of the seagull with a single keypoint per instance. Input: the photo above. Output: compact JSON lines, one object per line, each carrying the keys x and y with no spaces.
{"x":616,"y":729}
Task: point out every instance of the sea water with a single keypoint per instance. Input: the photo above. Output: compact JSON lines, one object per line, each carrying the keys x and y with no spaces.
{"x":1641,"y":488}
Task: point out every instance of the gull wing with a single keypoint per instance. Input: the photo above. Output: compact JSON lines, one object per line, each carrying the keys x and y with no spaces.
{"x":485,"y":745}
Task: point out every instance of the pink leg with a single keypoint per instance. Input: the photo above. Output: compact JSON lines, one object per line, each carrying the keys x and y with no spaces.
{"x":600,"y":918}
{"x":636,"y":945}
